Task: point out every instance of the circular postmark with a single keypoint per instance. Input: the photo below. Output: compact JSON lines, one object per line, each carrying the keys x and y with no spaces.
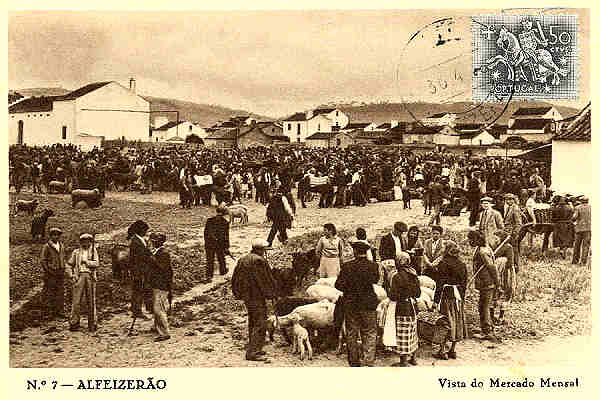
{"x":439,"y":73}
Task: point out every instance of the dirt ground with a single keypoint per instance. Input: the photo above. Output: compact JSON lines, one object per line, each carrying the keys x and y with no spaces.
{"x":208,"y":327}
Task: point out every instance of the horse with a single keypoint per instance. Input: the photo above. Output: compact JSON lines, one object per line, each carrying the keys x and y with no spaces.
{"x":540,"y":63}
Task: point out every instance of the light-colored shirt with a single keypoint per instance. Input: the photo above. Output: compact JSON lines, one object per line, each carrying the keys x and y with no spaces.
{"x":397,"y":244}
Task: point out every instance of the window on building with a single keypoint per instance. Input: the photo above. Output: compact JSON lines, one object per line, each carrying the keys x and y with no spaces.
{"x":298,"y":129}
{"x":319,"y":127}
{"x":47,"y":115}
{"x":298,"y":140}
{"x":150,"y":133}
{"x":272,"y":129}
{"x":64,"y":132}
{"x":289,"y":127}
{"x":338,"y":142}
{"x":337,"y":113}
{"x":190,"y":128}
{"x":480,"y":142}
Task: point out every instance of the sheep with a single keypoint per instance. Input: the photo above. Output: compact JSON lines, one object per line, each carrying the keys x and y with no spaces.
{"x":321,"y":292}
{"x":301,"y":338}
{"x":90,"y":197}
{"x":238,"y":211}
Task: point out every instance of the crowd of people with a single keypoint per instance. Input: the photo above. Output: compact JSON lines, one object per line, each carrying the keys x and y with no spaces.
{"x":501,"y":195}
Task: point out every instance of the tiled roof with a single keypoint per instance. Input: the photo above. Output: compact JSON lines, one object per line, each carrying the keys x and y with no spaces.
{"x":321,"y":135}
{"x":223,"y":134}
{"x":45,"y":103}
{"x":33,"y":104}
{"x":169,"y":125}
{"x":528,"y":111}
{"x":84,"y":90}
{"x":365,"y":134}
{"x":439,"y":115}
{"x":578,"y":130}
{"x":319,"y":111}
{"x":357,"y":125}
{"x":467,"y":127}
{"x":425,"y":130}
{"x":530,"y":124}
{"x":297,"y":117}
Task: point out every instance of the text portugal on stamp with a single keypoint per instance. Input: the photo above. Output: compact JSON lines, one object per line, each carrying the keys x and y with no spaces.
{"x":534,"y":55}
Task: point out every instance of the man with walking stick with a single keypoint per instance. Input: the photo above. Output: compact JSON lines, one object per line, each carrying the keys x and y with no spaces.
{"x":486,"y":281}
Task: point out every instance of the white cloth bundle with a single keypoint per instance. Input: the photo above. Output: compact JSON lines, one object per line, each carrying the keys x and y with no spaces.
{"x":425,"y":281}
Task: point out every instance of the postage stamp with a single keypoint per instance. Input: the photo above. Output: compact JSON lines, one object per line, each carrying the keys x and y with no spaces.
{"x":533,"y":56}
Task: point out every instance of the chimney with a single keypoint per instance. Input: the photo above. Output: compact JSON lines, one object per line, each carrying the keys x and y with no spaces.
{"x":132,"y":84}
{"x":393,"y":123}
{"x":309,"y":114}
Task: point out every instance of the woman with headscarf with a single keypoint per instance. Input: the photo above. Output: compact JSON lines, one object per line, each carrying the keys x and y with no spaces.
{"x":140,"y":260}
{"x":329,"y":251}
{"x":402,"y":286}
{"x":449,"y":295}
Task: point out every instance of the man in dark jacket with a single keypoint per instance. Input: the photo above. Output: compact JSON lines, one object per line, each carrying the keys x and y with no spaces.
{"x":52,"y":262}
{"x":253,"y":283}
{"x":437,"y":194}
{"x":140,"y":259}
{"x":356,"y":281}
{"x":280,"y":213}
{"x":393,"y":243}
{"x":216,"y":242}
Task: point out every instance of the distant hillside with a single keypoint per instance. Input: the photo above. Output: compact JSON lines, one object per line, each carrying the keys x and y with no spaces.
{"x":37,"y":92}
{"x":205,"y":114}
{"x":384,"y":112}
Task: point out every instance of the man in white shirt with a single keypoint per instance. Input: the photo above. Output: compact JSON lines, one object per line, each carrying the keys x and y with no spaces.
{"x":81,"y":268}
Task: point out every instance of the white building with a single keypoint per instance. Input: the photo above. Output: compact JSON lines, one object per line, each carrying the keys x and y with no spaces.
{"x":572,"y":155}
{"x":532,"y":130}
{"x":441,"y":119}
{"x":482,"y":138}
{"x":300,"y":126}
{"x":171,"y":129}
{"x":101,"y":110}
{"x":548,"y":112}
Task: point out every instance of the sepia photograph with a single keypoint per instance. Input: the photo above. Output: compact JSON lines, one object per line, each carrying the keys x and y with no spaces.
{"x":402,"y":188}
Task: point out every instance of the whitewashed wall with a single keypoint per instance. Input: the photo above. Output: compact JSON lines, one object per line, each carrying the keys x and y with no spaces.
{"x":132,"y":120}
{"x":572,"y":167}
{"x":44,"y":128}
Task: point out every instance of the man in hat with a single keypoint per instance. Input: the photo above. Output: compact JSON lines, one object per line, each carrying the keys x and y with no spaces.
{"x":140,"y":260}
{"x":433,"y":252}
{"x":356,"y":281}
{"x":216,"y":242}
{"x":393,"y":243}
{"x":82,"y":270}
{"x":161,"y":281}
{"x":253,"y":283}
{"x":281,"y":215}
{"x":490,"y":221}
{"x":52,"y":262}
{"x":583,"y":231}
{"x":512,"y":223}
{"x":512,"y":185}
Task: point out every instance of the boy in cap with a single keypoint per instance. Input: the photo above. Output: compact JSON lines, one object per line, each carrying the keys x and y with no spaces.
{"x":82,"y":270}
{"x":161,"y":281}
{"x":52,"y":261}
{"x":253,"y":283}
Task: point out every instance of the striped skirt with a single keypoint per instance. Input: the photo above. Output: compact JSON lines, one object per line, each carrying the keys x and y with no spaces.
{"x":406,"y":335}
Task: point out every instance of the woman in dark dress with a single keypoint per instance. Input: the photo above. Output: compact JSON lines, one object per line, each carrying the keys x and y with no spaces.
{"x":402,"y":288}
{"x":449,"y":295}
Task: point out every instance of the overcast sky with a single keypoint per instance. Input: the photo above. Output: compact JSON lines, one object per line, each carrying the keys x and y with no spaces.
{"x":271,"y":63}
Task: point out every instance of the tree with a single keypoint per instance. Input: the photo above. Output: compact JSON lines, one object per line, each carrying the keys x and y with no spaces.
{"x":193,"y":138}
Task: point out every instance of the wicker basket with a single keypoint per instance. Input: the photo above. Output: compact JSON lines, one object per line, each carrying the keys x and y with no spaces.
{"x":432,"y":327}
{"x":386,"y":196}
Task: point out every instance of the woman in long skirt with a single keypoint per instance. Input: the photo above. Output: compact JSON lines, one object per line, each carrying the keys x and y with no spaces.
{"x":404,"y":287}
{"x":329,"y":251}
{"x":450,"y":294}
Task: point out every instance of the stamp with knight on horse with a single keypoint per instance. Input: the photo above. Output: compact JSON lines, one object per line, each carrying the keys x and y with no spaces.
{"x":536,"y":56}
